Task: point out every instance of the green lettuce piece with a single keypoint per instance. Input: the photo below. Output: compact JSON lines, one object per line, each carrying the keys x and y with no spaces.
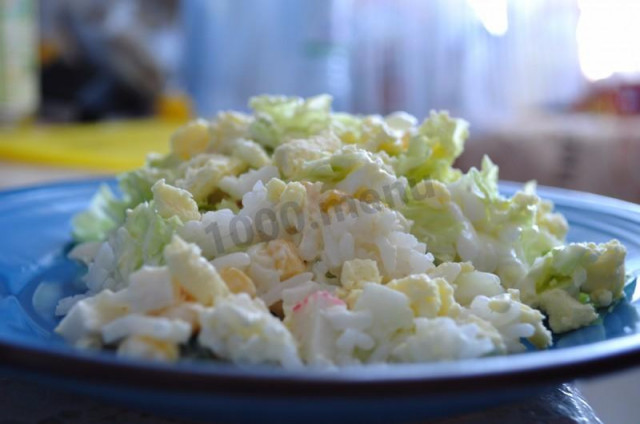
{"x":297,"y":157}
{"x":278,"y":118}
{"x":433,"y":149}
{"x":595,"y":270}
{"x":469,"y":220}
{"x":337,"y":166}
{"x":227,"y":129}
{"x":437,"y":221}
{"x":376,"y":135}
{"x":107,"y":211}
{"x":523,"y":221}
{"x":571,"y":281}
{"x":136,"y":185}
{"x":524,"y":216}
{"x":141,"y":240}
{"x":200,"y":175}
{"x":347,"y":127}
{"x":251,"y":153}
{"x":550,"y":227}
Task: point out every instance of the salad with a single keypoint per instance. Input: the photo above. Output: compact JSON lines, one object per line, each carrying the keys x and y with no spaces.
{"x":298,"y":236}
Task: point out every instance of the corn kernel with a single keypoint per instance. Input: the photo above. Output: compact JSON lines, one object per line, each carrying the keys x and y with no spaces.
{"x":330,"y":199}
{"x":286,"y":258}
{"x":238,"y":281}
{"x":275,"y":188}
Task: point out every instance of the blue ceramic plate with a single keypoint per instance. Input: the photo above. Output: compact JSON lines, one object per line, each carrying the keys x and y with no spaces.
{"x":34,"y":238}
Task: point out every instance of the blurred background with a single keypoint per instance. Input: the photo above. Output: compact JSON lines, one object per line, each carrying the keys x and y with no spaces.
{"x":551,"y":87}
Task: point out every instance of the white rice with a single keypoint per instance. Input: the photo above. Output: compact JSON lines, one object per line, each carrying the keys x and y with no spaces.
{"x":65,"y":304}
{"x":442,"y":338}
{"x":237,"y":187}
{"x":380,"y":235}
{"x":238,"y":260}
{"x":506,"y":322}
{"x":275,"y":294}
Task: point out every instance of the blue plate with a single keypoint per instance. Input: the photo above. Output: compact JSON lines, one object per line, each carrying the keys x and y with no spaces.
{"x":34,"y":239}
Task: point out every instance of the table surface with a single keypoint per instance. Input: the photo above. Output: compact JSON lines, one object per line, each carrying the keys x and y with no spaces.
{"x":612,"y":397}
{"x":563,"y":405}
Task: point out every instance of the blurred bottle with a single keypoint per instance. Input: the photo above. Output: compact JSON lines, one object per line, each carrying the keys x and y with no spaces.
{"x":323,"y":59}
{"x":235,"y":49}
{"x":19,"y":87}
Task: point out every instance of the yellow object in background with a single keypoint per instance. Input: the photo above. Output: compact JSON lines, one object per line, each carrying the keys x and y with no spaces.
{"x":174,"y":106}
{"x":106,"y":146}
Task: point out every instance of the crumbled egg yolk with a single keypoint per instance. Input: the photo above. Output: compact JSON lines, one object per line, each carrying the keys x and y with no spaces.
{"x":181,"y":294}
{"x":294,"y":193}
{"x":433,"y":193}
{"x":144,"y":347}
{"x":356,"y":272}
{"x":423,"y":294}
{"x":238,"y":281}
{"x":187,"y":311}
{"x":394,"y":147}
{"x":170,"y":201}
{"x":330,"y":199}
{"x":449,"y":306}
{"x":191,"y":139}
{"x":286,"y":258}
{"x":197,"y":278}
{"x":349,"y":137}
{"x":275,"y":187}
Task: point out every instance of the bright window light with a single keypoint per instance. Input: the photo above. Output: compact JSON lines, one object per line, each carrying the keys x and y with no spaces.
{"x":493,"y":14}
{"x":608,"y":37}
